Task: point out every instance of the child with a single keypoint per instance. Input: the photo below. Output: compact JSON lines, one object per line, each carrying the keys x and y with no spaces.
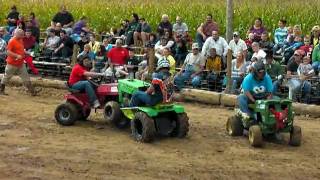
{"x":99,"y":62}
{"x":87,"y":51}
{"x":305,"y":69}
{"x":133,"y":63}
{"x":307,"y":47}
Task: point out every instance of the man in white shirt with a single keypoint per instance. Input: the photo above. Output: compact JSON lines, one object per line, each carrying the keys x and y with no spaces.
{"x":238,"y":45}
{"x":191,"y":68}
{"x":217,"y":42}
{"x":180,"y":29}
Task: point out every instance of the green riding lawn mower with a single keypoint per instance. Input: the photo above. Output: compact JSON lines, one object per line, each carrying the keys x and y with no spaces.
{"x":165,"y":119}
{"x":269,"y":118}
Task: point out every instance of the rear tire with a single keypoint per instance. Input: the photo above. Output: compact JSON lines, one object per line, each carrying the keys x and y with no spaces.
{"x":255,"y":136}
{"x":113,"y":114}
{"x":143,"y":127}
{"x":66,"y":114}
{"x":234,"y":126}
{"x":182,"y":126}
{"x":295,"y":136}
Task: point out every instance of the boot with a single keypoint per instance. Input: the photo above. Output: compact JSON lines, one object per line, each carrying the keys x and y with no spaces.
{"x":2,"y":88}
{"x":31,"y":89}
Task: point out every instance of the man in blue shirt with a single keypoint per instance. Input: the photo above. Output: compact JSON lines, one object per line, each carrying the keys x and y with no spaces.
{"x":256,"y":85}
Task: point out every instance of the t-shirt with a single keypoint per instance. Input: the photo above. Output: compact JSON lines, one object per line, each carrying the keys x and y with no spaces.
{"x":280,"y":35}
{"x":214,"y":64}
{"x":257,"y":88}
{"x":180,"y":28}
{"x":16,"y":46}
{"x":13,"y":15}
{"x":196,"y":61}
{"x":260,"y":55}
{"x":63,"y":18}
{"x":29,"y":43}
{"x":67,"y":41}
{"x":208,"y":27}
{"x":118,"y":56}
{"x":134,"y":61}
{"x":305,"y":69}
{"x":292,"y":67}
{"x":237,"y":47}
{"x":77,"y":29}
{"x":52,"y":42}
{"x":77,"y":74}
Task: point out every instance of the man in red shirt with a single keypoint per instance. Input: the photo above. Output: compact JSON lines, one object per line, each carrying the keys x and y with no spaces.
{"x":117,"y":58}
{"x":15,"y":63}
{"x":78,"y":79}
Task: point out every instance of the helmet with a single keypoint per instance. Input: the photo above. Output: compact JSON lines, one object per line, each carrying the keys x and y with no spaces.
{"x":258,"y":67}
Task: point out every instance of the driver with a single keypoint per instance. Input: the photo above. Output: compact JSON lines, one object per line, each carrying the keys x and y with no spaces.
{"x":155,"y":94}
{"x":256,"y":86}
{"x":79,"y":76}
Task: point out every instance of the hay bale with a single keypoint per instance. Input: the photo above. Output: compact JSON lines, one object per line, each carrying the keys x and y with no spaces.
{"x":202,"y":96}
{"x":228,"y":100}
{"x":304,"y":109}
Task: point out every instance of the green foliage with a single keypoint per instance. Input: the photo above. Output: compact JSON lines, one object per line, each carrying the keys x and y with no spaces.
{"x":106,"y":14}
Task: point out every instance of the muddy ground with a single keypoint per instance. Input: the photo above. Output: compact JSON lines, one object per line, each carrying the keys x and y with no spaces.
{"x":34,"y":146}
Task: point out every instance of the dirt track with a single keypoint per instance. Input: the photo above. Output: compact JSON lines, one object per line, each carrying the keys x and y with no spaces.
{"x":33,"y":146}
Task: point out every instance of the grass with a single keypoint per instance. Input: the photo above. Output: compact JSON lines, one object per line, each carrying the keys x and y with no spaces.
{"x":106,"y":14}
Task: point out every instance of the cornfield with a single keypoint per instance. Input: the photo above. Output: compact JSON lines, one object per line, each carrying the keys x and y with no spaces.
{"x":106,"y":14}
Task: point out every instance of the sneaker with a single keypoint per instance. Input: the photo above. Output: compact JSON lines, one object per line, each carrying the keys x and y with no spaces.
{"x":96,"y":104}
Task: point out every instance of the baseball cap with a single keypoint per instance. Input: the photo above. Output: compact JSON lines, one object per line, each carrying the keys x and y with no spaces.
{"x":236,"y":34}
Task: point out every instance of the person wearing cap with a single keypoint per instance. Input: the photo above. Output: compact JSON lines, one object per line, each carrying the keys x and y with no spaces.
{"x":238,"y":45}
{"x":50,"y":43}
{"x":256,"y":86}
{"x":12,"y":18}
{"x":191,"y":69}
{"x":217,"y":42}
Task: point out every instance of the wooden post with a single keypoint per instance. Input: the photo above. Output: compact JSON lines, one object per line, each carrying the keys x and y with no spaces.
{"x":229,"y":82}
{"x":229,"y":24}
{"x":151,"y":60}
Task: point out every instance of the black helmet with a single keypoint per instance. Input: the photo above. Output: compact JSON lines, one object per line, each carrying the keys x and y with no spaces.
{"x":258,"y":67}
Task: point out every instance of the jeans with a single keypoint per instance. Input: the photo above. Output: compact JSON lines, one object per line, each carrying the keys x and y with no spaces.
{"x":276,"y":47}
{"x":180,"y":57}
{"x":199,"y":40}
{"x":316,"y":65}
{"x":141,"y":98}
{"x":88,"y":88}
{"x":186,"y":75}
{"x":243,"y":102}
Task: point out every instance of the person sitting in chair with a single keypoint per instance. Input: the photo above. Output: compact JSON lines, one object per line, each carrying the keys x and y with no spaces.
{"x":256,"y":86}
{"x":79,"y":76}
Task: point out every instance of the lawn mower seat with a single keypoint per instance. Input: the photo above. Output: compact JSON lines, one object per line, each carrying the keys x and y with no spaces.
{"x":70,"y":89}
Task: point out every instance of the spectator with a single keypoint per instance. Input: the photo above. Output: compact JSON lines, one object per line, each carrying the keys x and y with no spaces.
{"x":217,"y":42}
{"x":191,"y":68}
{"x":106,"y":43}
{"x":249,"y":42}
{"x":315,"y":35}
{"x":123,"y":26}
{"x":80,"y":26}
{"x":273,"y":68}
{"x":316,"y":58}
{"x":34,"y":21}
{"x":142,"y":33}
{"x":164,"y":25}
{"x":152,"y":40}
{"x":143,"y":67}
{"x":205,"y":30}
{"x":258,"y":52}
{"x":265,"y":44}
{"x":117,"y":58}
{"x":297,"y":30}
{"x":181,"y":52}
{"x":84,"y":40}
{"x":35,"y":31}
{"x":13,"y":18}
{"x":305,"y":72}
{"x":65,"y":18}
{"x":99,"y":63}
{"x":65,"y":46}
{"x":238,"y":71}
{"x":95,"y":45}
{"x":238,"y":45}
{"x":280,"y":35}
{"x":3,"y":47}
{"x":15,"y":63}
{"x":180,"y":30}
{"x":291,"y":47}
{"x":87,"y":52}
{"x":161,"y":44}
{"x":166,"y":54}
{"x":132,"y":27}
{"x":58,"y":29}
{"x":4,"y":34}
{"x":306,"y":47}
{"x":257,"y":29}
{"x":132,"y":65}
{"x":213,"y":65}
{"x":162,"y":69}
{"x":50,"y":43}
{"x":20,"y":23}
{"x":29,"y":41}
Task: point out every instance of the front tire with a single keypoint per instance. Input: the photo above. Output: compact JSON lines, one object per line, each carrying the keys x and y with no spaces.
{"x":66,"y":114}
{"x":143,"y":127}
{"x":255,"y":136}
{"x":234,"y":126}
{"x":113,"y":114}
{"x":295,"y":136}
{"x":182,"y":126}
